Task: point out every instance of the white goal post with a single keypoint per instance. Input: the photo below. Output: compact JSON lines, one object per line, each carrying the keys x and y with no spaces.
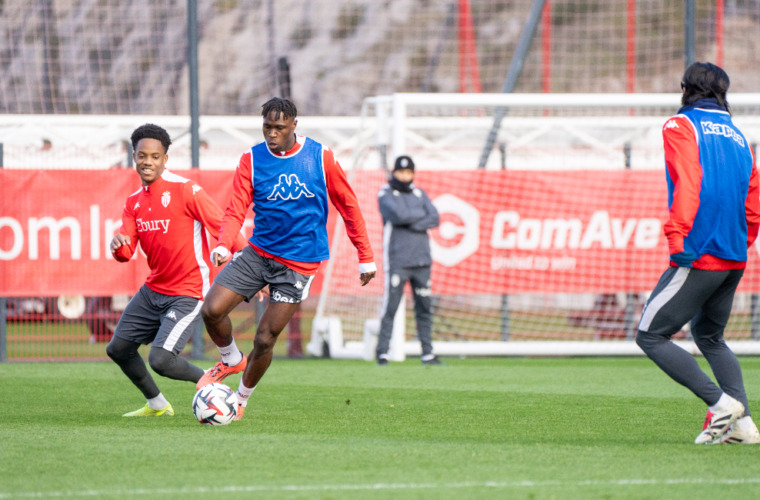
{"x":550,"y":250}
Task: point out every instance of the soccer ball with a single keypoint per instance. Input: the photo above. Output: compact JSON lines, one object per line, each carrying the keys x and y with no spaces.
{"x":215,"y":404}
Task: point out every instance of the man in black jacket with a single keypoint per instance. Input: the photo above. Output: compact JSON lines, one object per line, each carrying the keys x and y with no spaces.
{"x":407,"y":215}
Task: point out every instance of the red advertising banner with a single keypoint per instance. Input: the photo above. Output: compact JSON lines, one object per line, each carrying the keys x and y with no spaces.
{"x":501,"y":232}
{"x":56,"y":226}
{"x":506,"y":232}
{"x":550,"y":231}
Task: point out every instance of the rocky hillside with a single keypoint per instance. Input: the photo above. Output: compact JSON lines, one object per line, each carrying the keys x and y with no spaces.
{"x":130,"y":56}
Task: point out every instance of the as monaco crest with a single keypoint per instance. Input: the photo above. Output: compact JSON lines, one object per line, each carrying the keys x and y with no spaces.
{"x":166,"y":197}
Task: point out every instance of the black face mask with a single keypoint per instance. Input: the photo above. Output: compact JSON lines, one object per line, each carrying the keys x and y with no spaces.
{"x":404,"y":187}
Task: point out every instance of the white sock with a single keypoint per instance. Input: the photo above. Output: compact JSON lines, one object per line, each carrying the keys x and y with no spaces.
{"x":158,"y":403}
{"x":231,"y":355}
{"x":243,"y":393}
{"x":724,"y":401}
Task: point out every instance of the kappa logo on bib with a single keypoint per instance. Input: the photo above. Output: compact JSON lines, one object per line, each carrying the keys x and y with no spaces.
{"x":289,"y":188}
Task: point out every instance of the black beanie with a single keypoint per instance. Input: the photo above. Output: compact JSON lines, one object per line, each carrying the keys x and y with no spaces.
{"x":403,"y":162}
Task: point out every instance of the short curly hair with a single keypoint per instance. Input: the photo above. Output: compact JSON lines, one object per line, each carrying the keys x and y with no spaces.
{"x":151,"y":131}
{"x":280,"y":106}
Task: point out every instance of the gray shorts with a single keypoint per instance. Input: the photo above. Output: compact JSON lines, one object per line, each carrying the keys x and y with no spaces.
{"x":248,"y":272}
{"x":165,"y":320}
{"x":683,"y":294}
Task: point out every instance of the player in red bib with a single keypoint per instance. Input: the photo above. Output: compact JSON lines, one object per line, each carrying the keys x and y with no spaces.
{"x":169,"y":217}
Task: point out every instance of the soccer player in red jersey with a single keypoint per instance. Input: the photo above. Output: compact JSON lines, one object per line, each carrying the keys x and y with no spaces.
{"x":169,"y":217}
{"x":289,"y":179}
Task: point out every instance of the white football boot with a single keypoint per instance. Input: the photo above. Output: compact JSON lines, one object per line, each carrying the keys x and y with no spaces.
{"x":722,"y":419}
{"x":744,"y":431}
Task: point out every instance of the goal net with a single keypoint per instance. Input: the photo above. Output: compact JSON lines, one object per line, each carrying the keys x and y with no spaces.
{"x":550,"y":248}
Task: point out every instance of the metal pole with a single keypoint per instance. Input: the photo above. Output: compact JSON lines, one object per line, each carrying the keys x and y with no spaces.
{"x":505,"y":326}
{"x":504,"y":311}
{"x":49,"y":47}
{"x":130,"y":155}
{"x":515,"y":68}
{"x":272,"y":73}
{"x":690,"y":53}
{"x":192,"y":64}
{"x":382,"y":151}
{"x":283,"y":77}
{"x":629,"y":320}
{"x":444,"y":36}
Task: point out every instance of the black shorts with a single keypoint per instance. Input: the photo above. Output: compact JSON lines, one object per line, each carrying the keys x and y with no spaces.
{"x":166,"y":321}
{"x":248,"y":272}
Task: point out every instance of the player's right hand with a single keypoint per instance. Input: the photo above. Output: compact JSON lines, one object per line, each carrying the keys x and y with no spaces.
{"x":220,"y":255}
{"x":118,"y":241}
{"x":365,"y":278}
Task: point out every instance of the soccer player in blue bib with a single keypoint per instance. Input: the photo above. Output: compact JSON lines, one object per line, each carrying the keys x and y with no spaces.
{"x":289,"y":179}
{"x":714,"y":213}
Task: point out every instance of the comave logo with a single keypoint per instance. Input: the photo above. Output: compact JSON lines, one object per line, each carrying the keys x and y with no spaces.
{"x":460,"y":226}
{"x":459,"y":233}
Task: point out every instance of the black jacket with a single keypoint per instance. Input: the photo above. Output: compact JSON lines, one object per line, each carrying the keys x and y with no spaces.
{"x":406,"y":219}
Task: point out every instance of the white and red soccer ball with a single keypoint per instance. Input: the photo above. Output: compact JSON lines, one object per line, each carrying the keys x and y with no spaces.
{"x":215,"y":404}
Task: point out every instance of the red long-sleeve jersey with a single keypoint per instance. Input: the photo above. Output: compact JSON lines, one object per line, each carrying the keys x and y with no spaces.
{"x":170,"y":219}
{"x":339,"y":190}
{"x":695,"y":171}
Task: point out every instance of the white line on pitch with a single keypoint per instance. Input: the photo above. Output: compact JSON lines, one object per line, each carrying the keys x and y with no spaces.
{"x":379,"y":487}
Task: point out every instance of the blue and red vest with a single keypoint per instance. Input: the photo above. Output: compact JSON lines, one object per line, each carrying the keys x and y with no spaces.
{"x":290,"y":203}
{"x":720,"y":225}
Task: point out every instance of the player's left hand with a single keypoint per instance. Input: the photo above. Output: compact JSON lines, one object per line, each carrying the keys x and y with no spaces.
{"x":366,"y":277}
{"x":684,"y":259}
{"x":219,"y":255}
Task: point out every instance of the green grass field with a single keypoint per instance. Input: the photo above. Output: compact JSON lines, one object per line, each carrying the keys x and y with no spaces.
{"x":474,"y":428}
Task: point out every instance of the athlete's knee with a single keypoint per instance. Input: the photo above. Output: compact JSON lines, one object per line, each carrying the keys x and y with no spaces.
{"x":709,"y":343}
{"x":113,"y":352}
{"x":264,"y":340}
{"x":120,"y":350}
{"x":646,"y":340}
{"x":161,"y":361}
{"x":214,"y":315}
{"x":211,"y":314}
